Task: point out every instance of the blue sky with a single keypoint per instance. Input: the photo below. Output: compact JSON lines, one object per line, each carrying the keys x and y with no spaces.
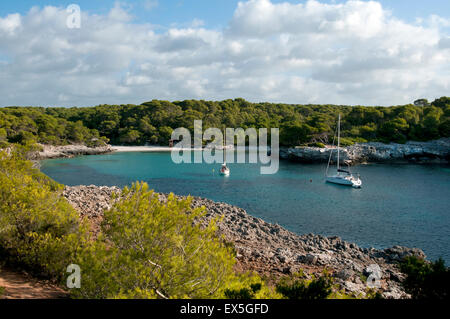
{"x":214,"y":13}
{"x":383,"y":52}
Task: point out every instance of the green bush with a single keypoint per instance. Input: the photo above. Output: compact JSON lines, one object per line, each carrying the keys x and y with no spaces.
{"x":426,"y":280}
{"x":346,"y":142}
{"x":155,"y":249}
{"x":298,"y":287}
{"x":39,"y":230}
{"x":249,"y":286}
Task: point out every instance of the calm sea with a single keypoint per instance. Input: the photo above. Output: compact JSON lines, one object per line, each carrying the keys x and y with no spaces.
{"x":406,"y":205}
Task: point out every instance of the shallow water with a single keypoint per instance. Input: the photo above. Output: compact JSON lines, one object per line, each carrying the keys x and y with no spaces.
{"x":406,"y":205}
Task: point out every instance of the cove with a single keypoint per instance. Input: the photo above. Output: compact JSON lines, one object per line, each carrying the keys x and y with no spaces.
{"x":404,"y":205}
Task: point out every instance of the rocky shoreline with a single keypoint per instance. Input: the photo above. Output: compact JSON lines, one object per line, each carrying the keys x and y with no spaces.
{"x":273,"y":251}
{"x":72,"y":150}
{"x":431,"y":152}
{"x":437,"y":151}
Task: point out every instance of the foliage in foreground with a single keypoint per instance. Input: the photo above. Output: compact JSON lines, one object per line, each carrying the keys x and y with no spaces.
{"x":298,"y":287}
{"x":38,"y":228}
{"x":154,"y":249}
{"x":426,"y":280}
{"x":147,"y":248}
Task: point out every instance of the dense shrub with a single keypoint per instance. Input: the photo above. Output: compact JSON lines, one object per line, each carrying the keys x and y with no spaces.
{"x":298,"y":287}
{"x":426,"y":280}
{"x":155,"y":249}
{"x":248,"y":286}
{"x":39,"y":230}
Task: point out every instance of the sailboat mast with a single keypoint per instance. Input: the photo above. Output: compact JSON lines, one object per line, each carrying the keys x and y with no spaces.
{"x":339,"y":139}
{"x":224,"y":144}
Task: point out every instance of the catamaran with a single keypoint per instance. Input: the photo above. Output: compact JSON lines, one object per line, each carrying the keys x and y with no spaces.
{"x":342,"y":176}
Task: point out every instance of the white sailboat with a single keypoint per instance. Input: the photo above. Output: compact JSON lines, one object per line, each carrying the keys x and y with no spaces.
{"x":342,"y":176}
{"x":224,"y":170}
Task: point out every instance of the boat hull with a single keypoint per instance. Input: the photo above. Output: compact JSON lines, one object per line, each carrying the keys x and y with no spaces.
{"x":339,"y":180}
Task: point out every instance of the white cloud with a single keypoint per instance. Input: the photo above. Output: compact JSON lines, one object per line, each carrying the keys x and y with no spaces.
{"x":10,"y":23}
{"x":150,"y":4}
{"x":196,"y":23}
{"x":349,"y":53}
{"x":261,"y":18}
{"x":118,"y":13}
{"x":437,"y":21}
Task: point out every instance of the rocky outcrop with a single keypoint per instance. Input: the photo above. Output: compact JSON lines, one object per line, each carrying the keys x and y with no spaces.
{"x":272,"y":250}
{"x":51,"y":151}
{"x":437,"y":151}
{"x":90,"y":201}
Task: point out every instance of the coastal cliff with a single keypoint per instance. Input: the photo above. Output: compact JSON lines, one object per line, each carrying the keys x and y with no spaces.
{"x":437,"y":151}
{"x":270,"y":249}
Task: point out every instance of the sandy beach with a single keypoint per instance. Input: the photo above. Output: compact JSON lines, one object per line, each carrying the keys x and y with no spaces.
{"x":169,"y":149}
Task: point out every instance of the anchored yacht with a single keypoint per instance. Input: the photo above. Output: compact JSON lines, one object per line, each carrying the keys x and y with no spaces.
{"x":342,"y":176}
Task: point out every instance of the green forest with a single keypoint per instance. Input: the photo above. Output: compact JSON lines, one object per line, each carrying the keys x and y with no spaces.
{"x":152,"y":122}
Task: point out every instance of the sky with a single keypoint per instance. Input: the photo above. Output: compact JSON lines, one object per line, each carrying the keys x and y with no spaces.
{"x":310,"y":51}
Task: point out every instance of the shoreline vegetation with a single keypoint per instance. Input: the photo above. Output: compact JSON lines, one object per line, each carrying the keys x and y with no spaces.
{"x":305,"y":130}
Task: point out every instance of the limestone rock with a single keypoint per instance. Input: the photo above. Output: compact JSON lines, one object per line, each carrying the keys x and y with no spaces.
{"x":432,"y":151}
{"x":51,"y":151}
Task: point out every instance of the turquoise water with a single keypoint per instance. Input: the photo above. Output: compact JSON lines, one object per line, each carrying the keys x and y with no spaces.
{"x":405,"y":205}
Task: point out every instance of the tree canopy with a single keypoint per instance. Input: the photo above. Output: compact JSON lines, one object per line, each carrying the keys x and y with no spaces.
{"x":153,"y":122}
